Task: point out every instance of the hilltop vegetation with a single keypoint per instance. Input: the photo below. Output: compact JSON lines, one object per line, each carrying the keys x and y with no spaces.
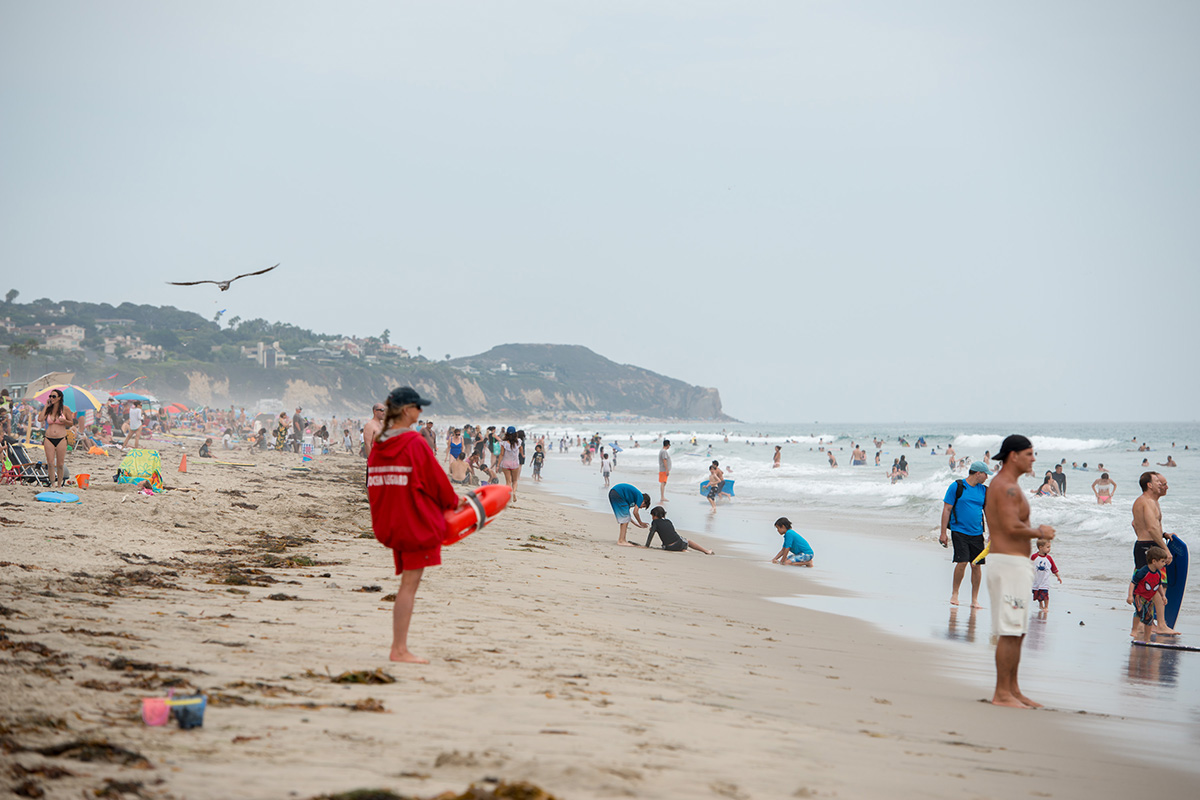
{"x":203,"y":363}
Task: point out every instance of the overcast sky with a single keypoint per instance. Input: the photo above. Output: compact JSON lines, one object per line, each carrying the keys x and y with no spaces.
{"x":834,"y":211}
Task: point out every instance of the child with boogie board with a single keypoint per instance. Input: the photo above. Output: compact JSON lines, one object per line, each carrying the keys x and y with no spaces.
{"x":409,"y":494}
{"x":1147,"y":595}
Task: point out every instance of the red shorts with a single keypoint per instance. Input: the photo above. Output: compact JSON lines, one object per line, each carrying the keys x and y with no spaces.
{"x":662,"y":477}
{"x":1041,"y":594}
{"x":417,"y":559}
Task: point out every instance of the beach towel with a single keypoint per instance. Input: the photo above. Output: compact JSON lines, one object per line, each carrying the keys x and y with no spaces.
{"x":141,"y":465}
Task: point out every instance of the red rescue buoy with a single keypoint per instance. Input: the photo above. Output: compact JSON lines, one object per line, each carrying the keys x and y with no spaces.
{"x":482,"y":505}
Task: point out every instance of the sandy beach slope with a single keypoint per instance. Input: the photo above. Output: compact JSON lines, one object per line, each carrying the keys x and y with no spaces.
{"x":590,"y":670}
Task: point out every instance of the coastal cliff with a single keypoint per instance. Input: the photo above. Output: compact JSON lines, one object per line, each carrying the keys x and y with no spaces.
{"x":179,"y":356}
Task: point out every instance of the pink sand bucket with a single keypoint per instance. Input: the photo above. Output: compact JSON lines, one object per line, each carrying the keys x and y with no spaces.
{"x":155,"y":710}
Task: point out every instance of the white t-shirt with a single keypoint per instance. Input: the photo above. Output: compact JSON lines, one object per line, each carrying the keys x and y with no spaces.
{"x":135,"y":418}
{"x":1043,"y":568}
{"x":606,"y":466}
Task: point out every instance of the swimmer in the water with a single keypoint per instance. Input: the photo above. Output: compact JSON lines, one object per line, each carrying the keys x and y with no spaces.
{"x":1169,"y":463}
{"x":1104,"y":489}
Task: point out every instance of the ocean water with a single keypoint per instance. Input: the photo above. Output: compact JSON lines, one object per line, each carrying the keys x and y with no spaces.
{"x":1093,"y":544}
{"x":878,"y":541}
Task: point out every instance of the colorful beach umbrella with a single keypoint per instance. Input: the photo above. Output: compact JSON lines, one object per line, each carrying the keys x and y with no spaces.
{"x":127,"y":396}
{"x":176,"y":408}
{"x":76,"y":398}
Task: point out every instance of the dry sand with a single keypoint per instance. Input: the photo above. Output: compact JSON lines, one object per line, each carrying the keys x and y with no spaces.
{"x":559,"y":658}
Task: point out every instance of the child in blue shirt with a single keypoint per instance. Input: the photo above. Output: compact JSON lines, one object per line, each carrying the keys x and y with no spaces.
{"x":796,"y":551}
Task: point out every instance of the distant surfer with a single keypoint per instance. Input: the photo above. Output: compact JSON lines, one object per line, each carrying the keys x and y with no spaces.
{"x":1010,"y":573}
{"x":1104,"y":488}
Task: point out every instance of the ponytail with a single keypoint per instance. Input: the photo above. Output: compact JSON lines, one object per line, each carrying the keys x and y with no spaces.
{"x":391,"y":414}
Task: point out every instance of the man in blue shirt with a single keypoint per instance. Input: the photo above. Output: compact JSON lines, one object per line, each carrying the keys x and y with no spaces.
{"x":962,"y":513}
{"x":623,"y":498}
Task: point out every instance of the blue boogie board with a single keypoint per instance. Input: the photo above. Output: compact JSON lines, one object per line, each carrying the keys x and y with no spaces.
{"x":1176,"y":579}
{"x":726,"y":489}
{"x":56,"y":497}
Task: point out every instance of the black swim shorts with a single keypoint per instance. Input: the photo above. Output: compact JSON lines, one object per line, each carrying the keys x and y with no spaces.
{"x":1139,"y":553}
{"x":966,"y":547}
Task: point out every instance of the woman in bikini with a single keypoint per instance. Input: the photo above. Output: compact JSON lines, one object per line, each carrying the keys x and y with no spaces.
{"x":57,"y":418}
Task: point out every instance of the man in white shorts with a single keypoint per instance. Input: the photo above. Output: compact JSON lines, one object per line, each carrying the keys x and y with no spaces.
{"x":1010,"y":570}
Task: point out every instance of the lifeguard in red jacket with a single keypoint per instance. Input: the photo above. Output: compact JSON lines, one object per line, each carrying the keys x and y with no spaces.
{"x":409,"y":495}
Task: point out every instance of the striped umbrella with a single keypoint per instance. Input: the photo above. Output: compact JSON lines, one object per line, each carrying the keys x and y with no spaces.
{"x":76,"y":398}
{"x":176,"y":408}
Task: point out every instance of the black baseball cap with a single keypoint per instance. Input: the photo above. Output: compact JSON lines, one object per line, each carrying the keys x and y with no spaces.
{"x":1013,"y":443}
{"x":406,"y":396}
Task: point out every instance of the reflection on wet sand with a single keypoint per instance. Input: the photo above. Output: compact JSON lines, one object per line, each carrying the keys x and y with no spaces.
{"x":1152,"y":665}
{"x":1035,"y":639}
{"x":967,"y":634}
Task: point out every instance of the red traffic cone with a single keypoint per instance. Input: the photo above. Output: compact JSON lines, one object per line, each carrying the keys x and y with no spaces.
{"x":183,"y":463}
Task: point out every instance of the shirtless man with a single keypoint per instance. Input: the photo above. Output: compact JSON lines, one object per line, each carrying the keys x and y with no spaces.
{"x":373,"y":427}
{"x":1010,"y":570}
{"x":1147,"y":526}
{"x":1170,"y":462}
{"x":1104,"y":489}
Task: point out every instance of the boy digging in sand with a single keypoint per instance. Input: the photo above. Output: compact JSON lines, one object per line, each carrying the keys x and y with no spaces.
{"x":671,"y":540}
{"x":796,"y":551}
{"x":1147,"y":595}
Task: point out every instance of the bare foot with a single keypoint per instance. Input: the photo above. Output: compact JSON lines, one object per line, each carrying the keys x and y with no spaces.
{"x":626,"y":544}
{"x":664,"y":500}
{"x":1165,"y":631}
{"x":953,"y":599}
{"x":1009,"y":701}
{"x":1028,"y":702}
{"x":407,"y":657}
{"x":976,"y":604}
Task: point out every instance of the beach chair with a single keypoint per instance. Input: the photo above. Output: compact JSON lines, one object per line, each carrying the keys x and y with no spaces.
{"x":23,"y":468}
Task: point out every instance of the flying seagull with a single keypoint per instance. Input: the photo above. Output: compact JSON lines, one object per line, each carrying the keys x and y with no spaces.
{"x":223,"y":284}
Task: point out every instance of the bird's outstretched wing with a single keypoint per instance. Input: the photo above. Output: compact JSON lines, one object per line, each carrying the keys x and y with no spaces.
{"x":223,"y":284}
{"x":248,"y":274}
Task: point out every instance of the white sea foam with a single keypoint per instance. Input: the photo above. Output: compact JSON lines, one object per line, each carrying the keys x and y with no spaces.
{"x":974,"y":442}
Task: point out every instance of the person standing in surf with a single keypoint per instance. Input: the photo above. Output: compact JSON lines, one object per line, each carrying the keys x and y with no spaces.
{"x":1147,"y":518}
{"x":1010,"y":573}
{"x":962,"y":516}
{"x":409,"y":494}
{"x":664,"y":470}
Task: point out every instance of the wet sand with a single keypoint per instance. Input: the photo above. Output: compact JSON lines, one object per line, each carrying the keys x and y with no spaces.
{"x":590,"y":670}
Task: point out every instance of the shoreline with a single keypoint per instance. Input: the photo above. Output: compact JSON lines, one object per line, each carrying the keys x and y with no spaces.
{"x":893,"y":576}
{"x":559,"y":658}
